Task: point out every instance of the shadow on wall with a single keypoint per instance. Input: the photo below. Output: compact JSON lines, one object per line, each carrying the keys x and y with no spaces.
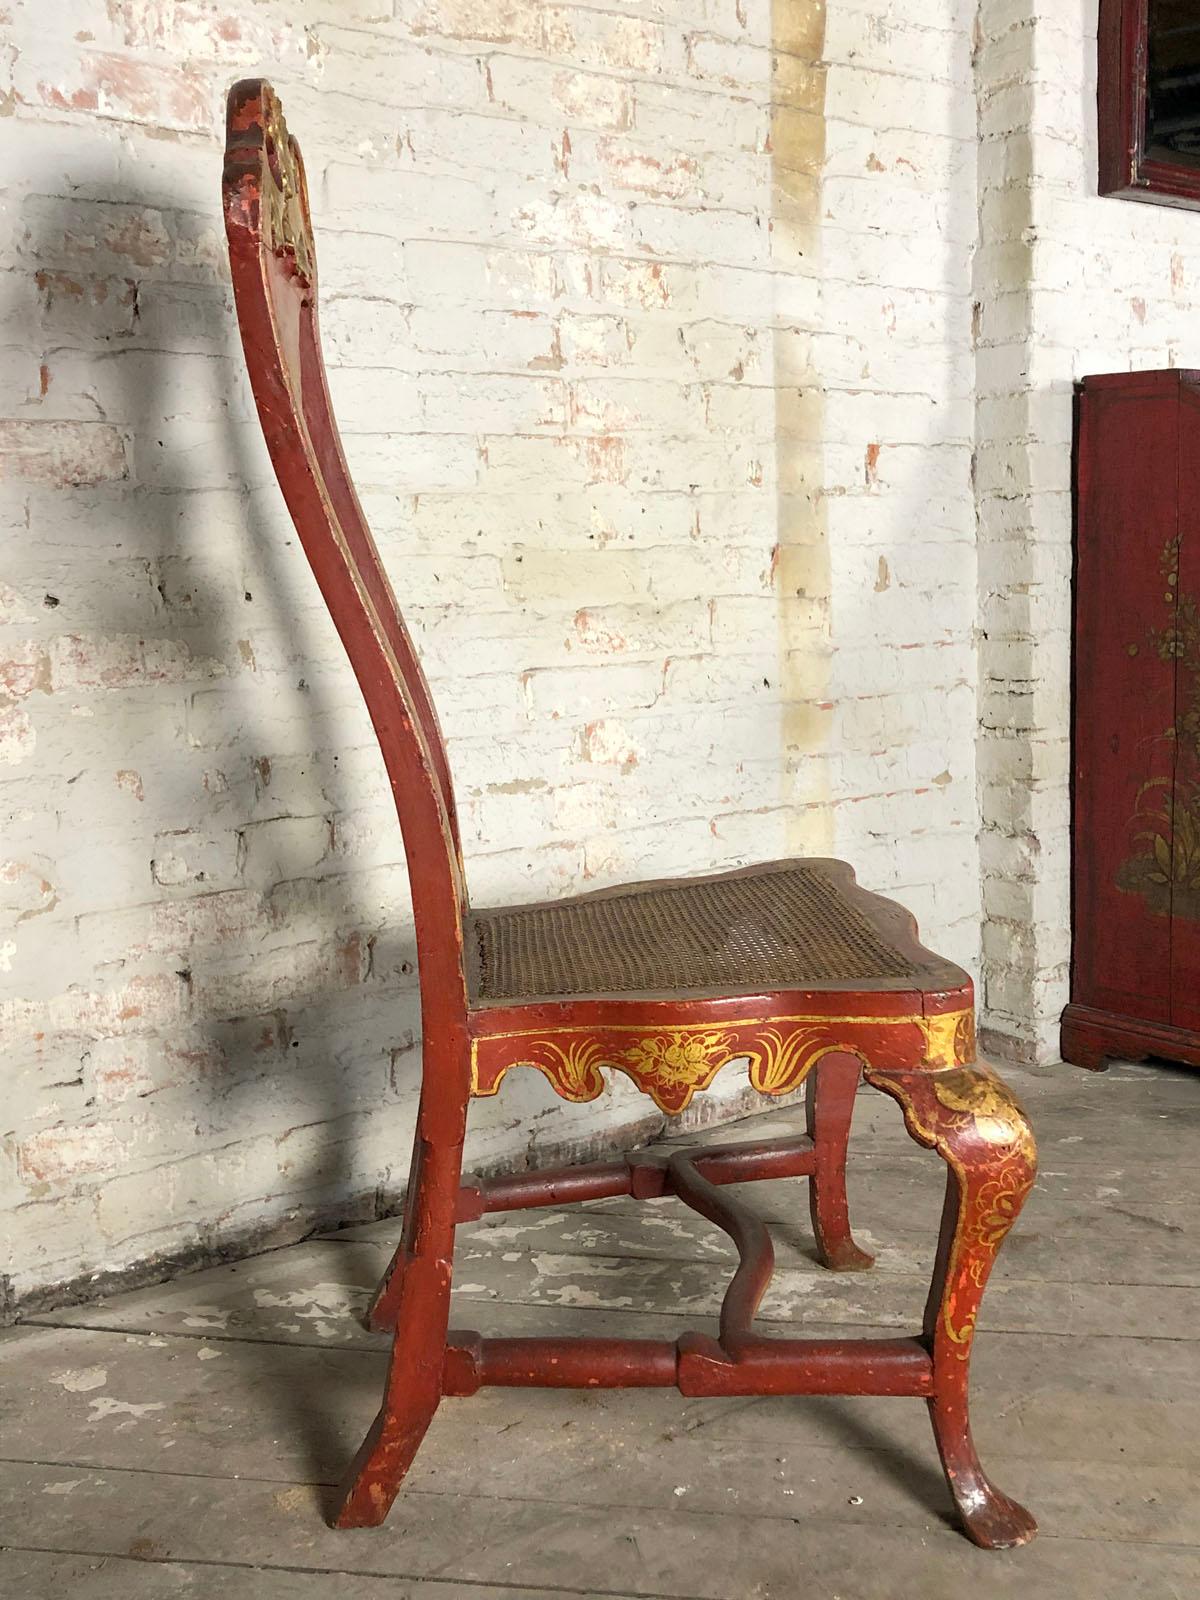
{"x":212,"y":1026}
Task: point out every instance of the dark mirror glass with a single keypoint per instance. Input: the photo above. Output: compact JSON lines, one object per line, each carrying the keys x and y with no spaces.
{"x":1173,"y":80}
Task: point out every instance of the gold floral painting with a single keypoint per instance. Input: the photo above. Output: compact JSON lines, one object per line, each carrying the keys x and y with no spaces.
{"x":1164,"y":863}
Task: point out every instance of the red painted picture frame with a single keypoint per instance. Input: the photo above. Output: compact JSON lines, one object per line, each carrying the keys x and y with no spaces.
{"x":1130,"y":169}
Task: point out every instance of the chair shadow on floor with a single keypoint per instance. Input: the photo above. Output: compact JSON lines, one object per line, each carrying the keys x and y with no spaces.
{"x":917,"y":1473}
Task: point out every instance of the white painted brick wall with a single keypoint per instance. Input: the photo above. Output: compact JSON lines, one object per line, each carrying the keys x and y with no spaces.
{"x":661,"y":400}
{"x":893,"y":354}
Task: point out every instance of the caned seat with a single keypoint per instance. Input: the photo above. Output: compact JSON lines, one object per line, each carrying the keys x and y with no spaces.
{"x":781,"y":925}
{"x":788,"y":968}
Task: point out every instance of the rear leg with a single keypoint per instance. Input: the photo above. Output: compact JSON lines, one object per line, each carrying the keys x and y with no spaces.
{"x":828,"y":1108}
{"x":417,"y":1301}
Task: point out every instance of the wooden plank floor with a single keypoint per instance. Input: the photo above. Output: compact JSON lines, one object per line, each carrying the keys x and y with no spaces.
{"x":183,"y":1439}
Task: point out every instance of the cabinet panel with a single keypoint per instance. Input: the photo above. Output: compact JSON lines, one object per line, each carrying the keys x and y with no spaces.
{"x":1124,"y":696}
{"x":1185,"y":863}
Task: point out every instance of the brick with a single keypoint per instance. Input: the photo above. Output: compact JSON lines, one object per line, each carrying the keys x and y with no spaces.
{"x":701,"y":235}
{"x":493,"y":404}
{"x":592,"y":221}
{"x":194,"y":856}
{"x":25,"y":889}
{"x":62,"y":454}
{"x":508,"y":339}
{"x":647,"y":171}
{"x":121,"y":87}
{"x":680,"y":117}
{"x":548,"y":93}
{"x":405,"y":203}
{"x":125,"y":1069}
{"x":490,"y":21}
{"x":729,"y":62}
{"x":362,"y":68}
{"x":587,"y":340}
{"x":284,"y":847}
{"x":427,"y":461}
{"x":604,"y":39}
{"x":18,"y":737}
{"x":618,"y":405}
{"x":25,"y":667}
{"x":182,"y":317}
{"x":194,"y":30}
{"x":61,"y":1154}
{"x":79,"y":662}
{"x":270,"y":979}
{"x":608,"y":742}
{"x":454,"y":274}
{"x":98,"y":307}
{"x":650,"y":285}
{"x":454,"y":142}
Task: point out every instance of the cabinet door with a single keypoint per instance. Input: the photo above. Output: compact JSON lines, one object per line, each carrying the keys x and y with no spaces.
{"x":1124,"y":695}
{"x":1185,"y":860}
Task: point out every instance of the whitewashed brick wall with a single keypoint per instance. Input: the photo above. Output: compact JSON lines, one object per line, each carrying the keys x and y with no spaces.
{"x":1068,"y":284}
{"x":651,"y":333}
{"x":892,"y":352}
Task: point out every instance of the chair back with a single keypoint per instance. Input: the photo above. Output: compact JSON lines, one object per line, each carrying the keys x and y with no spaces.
{"x":273,"y":263}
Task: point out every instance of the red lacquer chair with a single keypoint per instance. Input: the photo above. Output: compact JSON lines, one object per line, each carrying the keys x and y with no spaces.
{"x":789,"y":966}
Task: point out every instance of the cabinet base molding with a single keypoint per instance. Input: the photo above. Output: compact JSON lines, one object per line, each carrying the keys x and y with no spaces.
{"x":1091,"y":1038}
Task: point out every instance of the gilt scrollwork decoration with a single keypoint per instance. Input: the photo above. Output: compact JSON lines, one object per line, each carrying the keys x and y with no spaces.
{"x":670,"y":1066}
{"x":284,"y":199}
{"x":971,"y":1117}
{"x":673,"y":1064}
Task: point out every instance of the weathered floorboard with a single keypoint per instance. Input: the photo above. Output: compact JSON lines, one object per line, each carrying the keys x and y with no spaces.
{"x":288,"y":1415}
{"x":27,"y":1573}
{"x":643,"y":1552}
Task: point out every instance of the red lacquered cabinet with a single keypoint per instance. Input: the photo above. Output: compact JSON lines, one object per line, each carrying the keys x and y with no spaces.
{"x":1135,"y":965}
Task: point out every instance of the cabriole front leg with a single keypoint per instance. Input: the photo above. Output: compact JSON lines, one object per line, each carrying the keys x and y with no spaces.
{"x":975,"y":1123}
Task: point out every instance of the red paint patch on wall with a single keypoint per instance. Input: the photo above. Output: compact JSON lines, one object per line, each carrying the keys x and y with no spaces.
{"x":135,"y":91}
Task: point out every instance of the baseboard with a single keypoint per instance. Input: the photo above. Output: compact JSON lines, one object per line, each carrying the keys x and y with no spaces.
{"x":1091,"y":1038}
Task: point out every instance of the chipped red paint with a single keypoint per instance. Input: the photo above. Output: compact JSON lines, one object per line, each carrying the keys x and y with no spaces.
{"x":915,"y":1044}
